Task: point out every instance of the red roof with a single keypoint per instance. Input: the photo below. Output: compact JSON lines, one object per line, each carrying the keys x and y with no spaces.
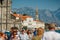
{"x":38,"y":21}
{"x":21,"y":16}
{"x":24,"y":17}
{"x":17,"y":15}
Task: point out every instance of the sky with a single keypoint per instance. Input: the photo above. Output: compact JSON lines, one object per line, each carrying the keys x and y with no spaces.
{"x":41,"y":4}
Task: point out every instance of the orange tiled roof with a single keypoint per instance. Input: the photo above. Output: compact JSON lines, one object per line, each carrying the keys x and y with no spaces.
{"x":16,"y":15}
{"x":24,"y":17}
{"x":38,"y":21}
{"x":21,"y":16}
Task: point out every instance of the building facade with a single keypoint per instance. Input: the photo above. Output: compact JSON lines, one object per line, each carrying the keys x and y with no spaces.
{"x":5,"y":9}
{"x":6,"y":22}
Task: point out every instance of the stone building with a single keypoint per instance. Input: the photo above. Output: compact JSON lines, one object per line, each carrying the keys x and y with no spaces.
{"x":28,"y":21}
{"x":6,"y":22}
{"x":5,"y":9}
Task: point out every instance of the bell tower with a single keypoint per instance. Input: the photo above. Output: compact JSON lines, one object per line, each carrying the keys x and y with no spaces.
{"x":37,"y":14}
{"x":5,"y":8}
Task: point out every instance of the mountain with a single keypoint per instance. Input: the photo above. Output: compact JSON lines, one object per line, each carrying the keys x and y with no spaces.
{"x":57,"y":16}
{"x":45,"y":15}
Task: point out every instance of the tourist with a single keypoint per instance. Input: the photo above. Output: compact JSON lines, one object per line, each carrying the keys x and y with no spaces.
{"x":12,"y":30}
{"x":39,"y":34}
{"x":35,"y":32}
{"x":3,"y":36}
{"x":30,"y":34}
{"x":23,"y":35}
{"x":51,"y":34}
{"x":14,"y":36}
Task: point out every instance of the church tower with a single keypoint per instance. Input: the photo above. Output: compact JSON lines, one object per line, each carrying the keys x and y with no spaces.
{"x":37,"y":17}
{"x":5,"y":8}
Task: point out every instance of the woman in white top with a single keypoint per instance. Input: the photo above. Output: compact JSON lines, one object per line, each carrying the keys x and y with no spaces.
{"x":30,"y":34}
{"x":23,"y":35}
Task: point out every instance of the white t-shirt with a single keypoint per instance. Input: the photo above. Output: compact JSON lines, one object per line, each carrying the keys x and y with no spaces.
{"x":30,"y":36}
{"x":51,"y":35}
{"x":24,"y":36}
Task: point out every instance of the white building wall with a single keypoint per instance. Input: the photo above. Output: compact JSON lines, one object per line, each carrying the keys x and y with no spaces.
{"x":30,"y":23}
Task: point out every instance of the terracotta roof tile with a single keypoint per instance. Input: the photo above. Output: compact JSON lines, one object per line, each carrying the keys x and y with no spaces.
{"x":21,"y":16}
{"x":38,"y":21}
